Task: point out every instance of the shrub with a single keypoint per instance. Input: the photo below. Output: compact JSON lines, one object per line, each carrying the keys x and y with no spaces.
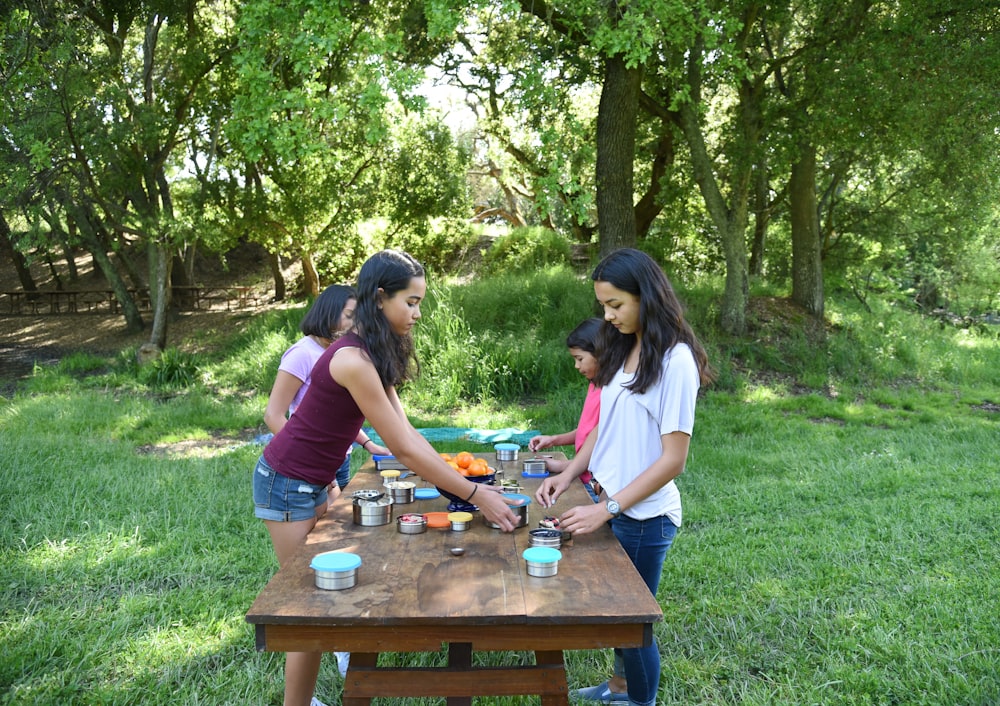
{"x":527,"y":249}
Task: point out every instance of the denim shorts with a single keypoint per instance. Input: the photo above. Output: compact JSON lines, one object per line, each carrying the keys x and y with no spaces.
{"x":282,"y":499}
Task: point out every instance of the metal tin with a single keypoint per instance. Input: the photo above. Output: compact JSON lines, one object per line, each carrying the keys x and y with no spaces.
{"x":506,"y":452}
{"x":519,"y":504}
{"x":336,"y":571}
{"x":545,"y":538}
{"x":402,"y":491}
{"x":411,"y":523}
{"x":533,"y":467}
{"x":542,"y":561}
{"x":386,"y":463}
{"x":460,"y":521}
{"x":367,"y":494}
{"x":372,"y":513}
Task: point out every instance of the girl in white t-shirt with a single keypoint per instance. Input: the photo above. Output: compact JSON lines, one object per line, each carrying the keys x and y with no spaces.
{"x":650,"y":367}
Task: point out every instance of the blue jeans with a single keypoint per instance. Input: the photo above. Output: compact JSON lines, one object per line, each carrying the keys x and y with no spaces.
{"x":344,"y":473}
{"x":646,"y":542}
{"x":283,"y":499}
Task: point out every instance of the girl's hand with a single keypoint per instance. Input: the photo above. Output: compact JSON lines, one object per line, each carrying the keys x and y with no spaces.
{"x":584,"y":519}
{"x":539,"y":442}
{"x":493,"y":506}
{"x":551,"y":488}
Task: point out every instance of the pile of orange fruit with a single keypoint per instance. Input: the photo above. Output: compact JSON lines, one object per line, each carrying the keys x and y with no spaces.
{"x":467,"y":464}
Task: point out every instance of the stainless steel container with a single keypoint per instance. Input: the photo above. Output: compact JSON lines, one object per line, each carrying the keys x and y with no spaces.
{"x":534,"y":467}
{"x":402,"y":491}
{"x":506,"y":452}
{"x":371,"y":513}
{"x":387,"y":463}
{"x":519,"y":504}
{"x":368,"y":494}
{"x":542,"y":561}
{"x":460,"y":521}
{"x":336,"y":571}
{"x":411,"y":523}
{"x":545,"y":538}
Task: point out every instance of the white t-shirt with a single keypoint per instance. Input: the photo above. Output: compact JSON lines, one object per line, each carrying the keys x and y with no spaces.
{"x":631,"y":425}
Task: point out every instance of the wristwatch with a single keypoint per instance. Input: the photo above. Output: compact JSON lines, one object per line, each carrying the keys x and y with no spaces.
{"x":613,"y":507}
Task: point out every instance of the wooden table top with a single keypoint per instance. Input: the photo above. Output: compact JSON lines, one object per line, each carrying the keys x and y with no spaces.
{"x":412,"y":580}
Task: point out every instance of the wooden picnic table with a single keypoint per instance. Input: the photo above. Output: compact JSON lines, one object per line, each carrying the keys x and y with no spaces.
{"x":412,"y":595}
{"x":71,"y":301}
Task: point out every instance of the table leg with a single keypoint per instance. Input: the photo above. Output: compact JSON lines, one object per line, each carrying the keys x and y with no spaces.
{"x":554,"y":658}
{"x":460,"y":655}
{"x":367,"y":660}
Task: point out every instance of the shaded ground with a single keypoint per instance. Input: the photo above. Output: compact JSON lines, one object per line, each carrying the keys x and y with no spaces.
{"x":27,"y":340}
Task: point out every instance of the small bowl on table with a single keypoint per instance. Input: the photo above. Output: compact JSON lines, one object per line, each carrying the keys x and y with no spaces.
{"x":458,"y":504}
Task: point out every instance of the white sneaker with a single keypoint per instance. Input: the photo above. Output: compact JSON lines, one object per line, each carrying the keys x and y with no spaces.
{"x":343,"y":661}
{"x":316,"y":702}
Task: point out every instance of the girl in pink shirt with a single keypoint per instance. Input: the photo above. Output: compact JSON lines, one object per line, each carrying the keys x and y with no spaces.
{"x":581,"y":343}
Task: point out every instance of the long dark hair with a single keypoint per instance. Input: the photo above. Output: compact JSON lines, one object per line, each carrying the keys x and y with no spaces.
{"x":324,"y":314}
{"x":393,"y":355}
{"x":584,"y":336}
{"x":661,"y":317}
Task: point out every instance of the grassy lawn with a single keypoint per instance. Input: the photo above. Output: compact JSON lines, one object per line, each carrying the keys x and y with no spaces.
{"x":840,"y":543}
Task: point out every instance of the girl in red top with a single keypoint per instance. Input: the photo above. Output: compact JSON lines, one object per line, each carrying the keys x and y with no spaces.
{"x":355,"y":379}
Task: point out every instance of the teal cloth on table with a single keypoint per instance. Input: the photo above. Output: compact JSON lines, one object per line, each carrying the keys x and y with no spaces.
{"x":479,"y":436}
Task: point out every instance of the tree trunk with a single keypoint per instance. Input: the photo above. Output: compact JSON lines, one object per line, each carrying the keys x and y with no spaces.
{"x":807,"y":263}
{"x":20,"y":262}
{"x":649,"y":207}
{"x":731,"y":222}
{"x":761,"y":218}
{"x":161,"y":263}
{"x":616,"y":126}
{"x":274,"y":260}
{"x":310,"y":278}
{"x":93,"y":241}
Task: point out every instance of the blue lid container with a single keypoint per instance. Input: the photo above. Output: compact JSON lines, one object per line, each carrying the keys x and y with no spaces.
{"x":516,"y":499}
{"x":542,"y":561}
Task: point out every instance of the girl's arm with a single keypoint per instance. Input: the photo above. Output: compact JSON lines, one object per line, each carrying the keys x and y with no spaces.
{"x":664,"y":469}
{"x":554,"y":486}
{"x":350,"y":368}
{"x":543,"y":441}
{"x":668,"y":465}
{"x":369,"y":445}
{"x":285,"y":387}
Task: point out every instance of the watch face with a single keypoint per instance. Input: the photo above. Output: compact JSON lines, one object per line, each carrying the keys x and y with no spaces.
{"x":613,"y":507}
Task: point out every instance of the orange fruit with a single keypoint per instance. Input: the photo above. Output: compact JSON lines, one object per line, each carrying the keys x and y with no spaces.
{"x":479,"y":467}
{"x":463,"y":459}
{"x":446,"y":457}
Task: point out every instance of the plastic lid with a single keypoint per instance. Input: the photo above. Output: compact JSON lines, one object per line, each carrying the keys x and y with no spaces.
{"x":507,"y":447}
{"x":379,"y":457}
{"x":426,"y":493}
{"x":534,"y":474}
{"x":389,"y":474}
{"x":542,"y":555}
{"x":516,"y":499}
{"x":460,"y":517}
{"x":335,"y":561}
{"x":437,"y":519}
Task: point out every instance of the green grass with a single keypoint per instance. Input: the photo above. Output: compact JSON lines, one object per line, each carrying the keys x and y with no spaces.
{"x":840,"y":543}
